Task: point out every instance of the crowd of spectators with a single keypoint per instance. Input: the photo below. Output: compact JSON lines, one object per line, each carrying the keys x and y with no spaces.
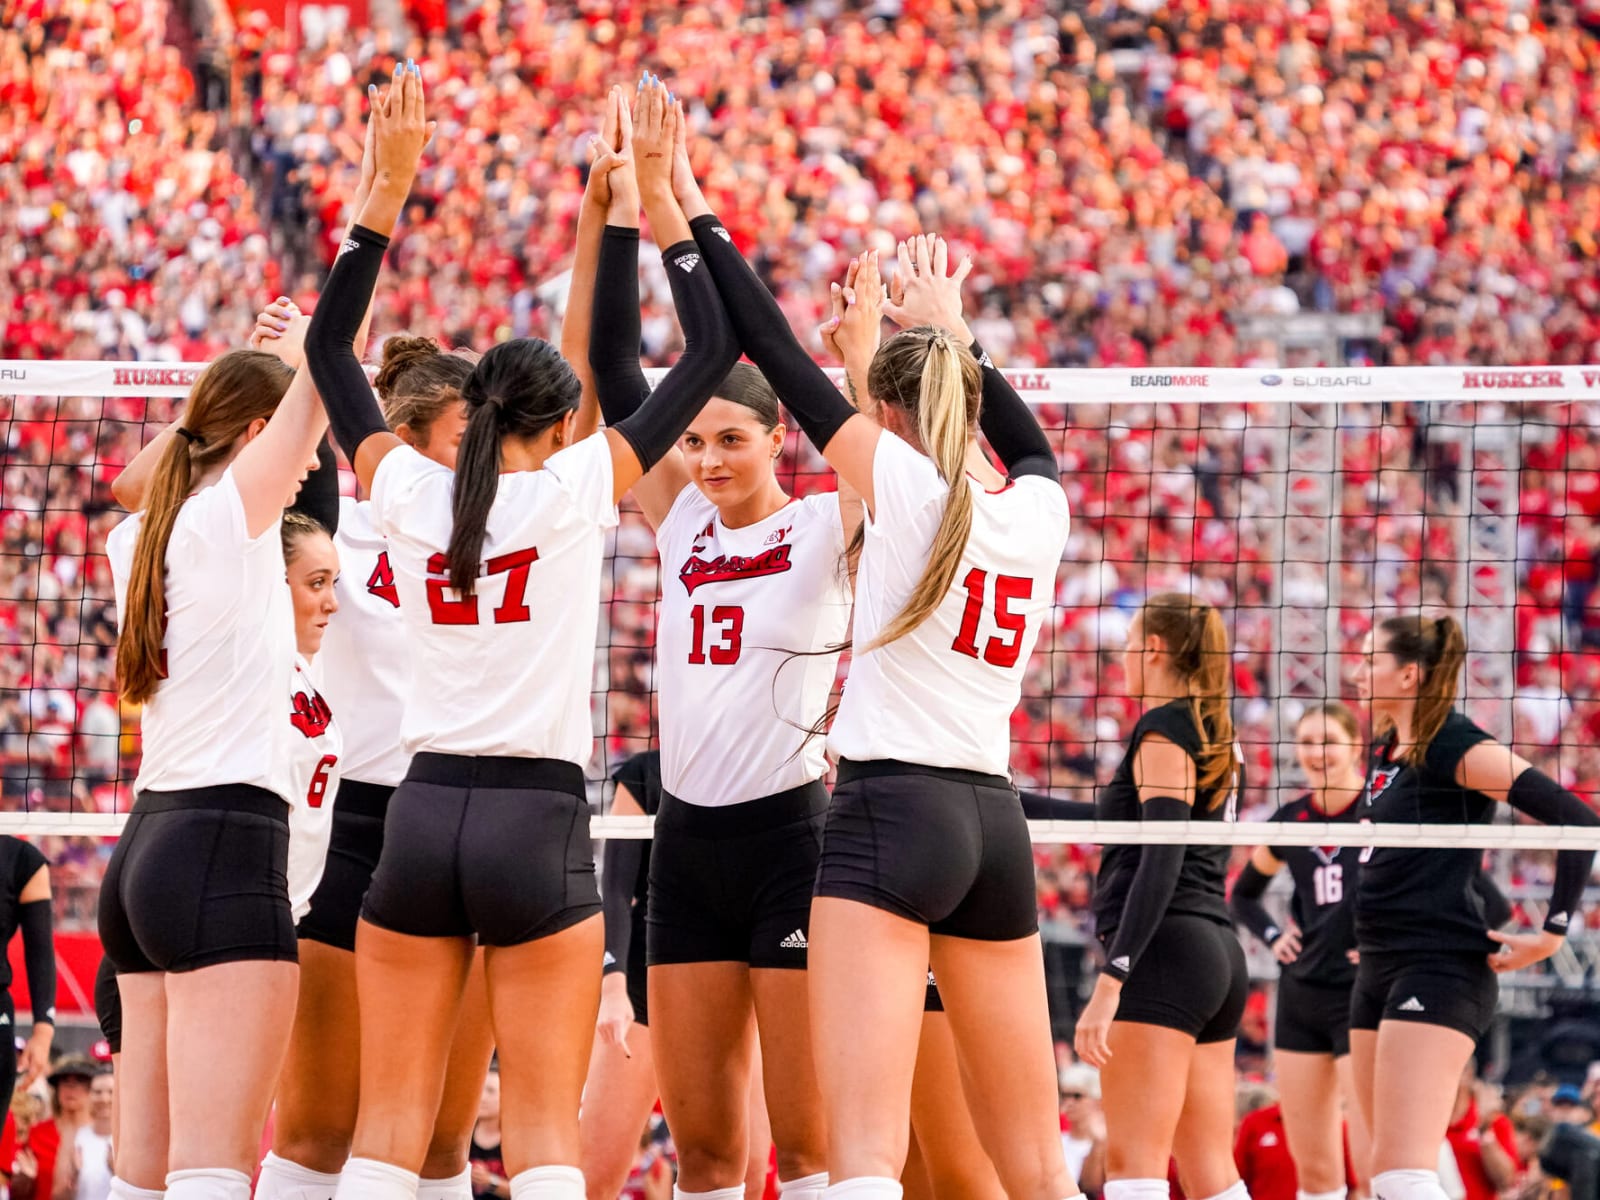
{"x":1132,"y":179}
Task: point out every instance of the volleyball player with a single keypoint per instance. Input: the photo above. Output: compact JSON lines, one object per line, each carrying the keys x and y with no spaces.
{"x":1165,"y":1011}
{"x":954,"y":580}
{"x":497,"y":568}
{"x":25,"y":904}
{"x":1425,"y":989}
{"x":755,"y":607}
{"x":1311,"y":1035}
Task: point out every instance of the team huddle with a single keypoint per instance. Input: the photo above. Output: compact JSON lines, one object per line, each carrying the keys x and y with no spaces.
{"x":346,"y":914}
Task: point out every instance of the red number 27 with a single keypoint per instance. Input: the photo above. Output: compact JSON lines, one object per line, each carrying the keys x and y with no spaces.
{"x":464,"y":610}
{"x":997,"y":651}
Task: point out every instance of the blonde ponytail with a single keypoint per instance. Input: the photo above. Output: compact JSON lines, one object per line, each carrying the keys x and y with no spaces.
{"x":949,"y":385}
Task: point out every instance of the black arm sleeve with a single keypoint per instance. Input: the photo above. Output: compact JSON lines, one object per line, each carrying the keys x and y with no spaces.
{"x":1150,"y":891}
{"x":764,"y":332}
{"x":353,"y":410}
{"x":614,"y":331}
{"x":618,"y":877}
{"x":709,"y":352}
{"x":1545,"y":800}
{"x":1010,"y":426}
{"x":1245,"y":903}
{"x":319,"y":494}
{"x":39,"y":958}
{"x":1036,"y":806}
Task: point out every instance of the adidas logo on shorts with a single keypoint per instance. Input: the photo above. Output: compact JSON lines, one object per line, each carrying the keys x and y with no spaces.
{"x":1412,"y":1005}
{"x":1121,"y":963}
{"x":795,"y":941}
{"x":610,"y":960}
{"x":687,"y":262}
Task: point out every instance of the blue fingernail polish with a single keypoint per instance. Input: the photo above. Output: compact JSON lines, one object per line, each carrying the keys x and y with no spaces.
{"x":671,"y":99}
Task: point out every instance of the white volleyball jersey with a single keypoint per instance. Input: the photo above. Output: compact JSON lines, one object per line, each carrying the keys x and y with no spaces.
{"x":217,"y":715}
{"x":736,"y":605}
{"x":943,"y":695}
{"x":365,"y":662}
{"x":314,"y":746}
{"x":510,"y":669}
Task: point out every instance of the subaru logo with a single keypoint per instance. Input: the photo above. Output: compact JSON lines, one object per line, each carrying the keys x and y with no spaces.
{"x":1271,"y":380}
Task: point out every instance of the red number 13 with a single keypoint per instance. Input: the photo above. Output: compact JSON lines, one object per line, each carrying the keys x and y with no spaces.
{"x":998,"y":651}
{"x":725,"y":652}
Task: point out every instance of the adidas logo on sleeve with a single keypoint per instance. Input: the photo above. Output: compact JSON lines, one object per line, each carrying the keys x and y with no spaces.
{"x":1559,"y":920}
{"x":1121,"y":963}
{"x":687,"y":262}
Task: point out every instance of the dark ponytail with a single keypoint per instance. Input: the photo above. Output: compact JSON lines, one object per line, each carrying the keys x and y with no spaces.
{"x":1439,"y":648}
{"x":518,"y":389}
{"x":1198,"y":642}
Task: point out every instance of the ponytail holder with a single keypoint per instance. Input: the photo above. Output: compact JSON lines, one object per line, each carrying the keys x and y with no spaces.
{"x":188,"y":435}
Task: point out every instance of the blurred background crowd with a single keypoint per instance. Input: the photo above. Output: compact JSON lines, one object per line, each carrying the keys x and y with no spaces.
{"x":1146,"y":184}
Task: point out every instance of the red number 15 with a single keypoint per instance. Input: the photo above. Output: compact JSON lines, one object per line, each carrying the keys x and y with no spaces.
{"x":998,"y":651}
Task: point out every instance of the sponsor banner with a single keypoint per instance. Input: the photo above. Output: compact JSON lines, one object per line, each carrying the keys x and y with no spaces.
{"x":1212,"y":385}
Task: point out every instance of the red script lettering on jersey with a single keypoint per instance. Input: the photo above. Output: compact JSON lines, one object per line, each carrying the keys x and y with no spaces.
{"x":700,"y":571}
{"x":311,"y":714}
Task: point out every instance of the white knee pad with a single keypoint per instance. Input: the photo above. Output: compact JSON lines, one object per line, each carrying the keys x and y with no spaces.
{"x":121,"y":1189}
{"x":807,"y":1187}
{"x":1336,"y":1194}
{"x":457,"y":1187}
{"x":727,"y":1193}
{"x":1137,"y":1189}
{"x":865,"y":1187}
{"x":548,"y":1183}
{"x":1237,"y":1192}
{"x":284,"y":1179}
{"x":369,"y":1179}
{"x":208,"y":1183}
{"x":1408,"y":1185}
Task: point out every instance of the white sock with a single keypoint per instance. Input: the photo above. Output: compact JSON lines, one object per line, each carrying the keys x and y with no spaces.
{"x":550,"y":1183}
{"x":284,"y":1179}
{"x":369,"y":1179}
{"x":121,"y":1189}
{"x":727,"y":1193}
{"x":1336,"y":1194}
{"x":1408,"y":1185}
{"x":208,"y":1183}
{"x":457,"y":1187}
{"x":865,"y":1187}
{"x":1237,"y":1192}
{"x":1137,"y":1189}
{"x":808,"y":1187}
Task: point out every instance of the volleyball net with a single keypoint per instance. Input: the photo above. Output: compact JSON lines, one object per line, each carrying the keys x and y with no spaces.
{"x":1306,"y":504}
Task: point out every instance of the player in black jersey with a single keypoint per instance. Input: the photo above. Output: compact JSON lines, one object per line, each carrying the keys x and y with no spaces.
{"x":1425,"y":990}
{"x":1311,"y":1036}
{"x":1165,"y":1011}
{"x":25,"y":905}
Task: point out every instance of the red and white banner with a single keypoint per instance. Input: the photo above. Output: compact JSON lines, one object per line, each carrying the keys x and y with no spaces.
{"x":1223,"y":385}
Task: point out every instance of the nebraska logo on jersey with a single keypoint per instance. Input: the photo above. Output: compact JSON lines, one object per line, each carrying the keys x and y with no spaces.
{"x":311,"y":714}
{"x":698,"y":571}
{"x":777,"y":536}
{"x":1379,"y":783}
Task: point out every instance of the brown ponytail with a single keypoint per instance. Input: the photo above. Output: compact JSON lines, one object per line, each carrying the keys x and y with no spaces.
{"x":238,"y":388}
{"x":948,"y":388}
{"x":418,"y":382}
{"x":1439,"y":648}
{"x":1198,"y":643}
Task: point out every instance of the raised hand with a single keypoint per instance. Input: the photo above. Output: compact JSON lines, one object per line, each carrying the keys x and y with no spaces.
{"x":281,"y":331}
{"x":655,"y":129}
{"x":925,"y":291}
{"x":398,"y":130}
{"x":612,"y":182}
{"x":857,"y":326}
{"x":684,"y":185}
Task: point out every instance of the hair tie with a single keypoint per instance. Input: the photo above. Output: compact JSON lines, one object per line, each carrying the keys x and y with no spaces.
{"x":188,"y":435}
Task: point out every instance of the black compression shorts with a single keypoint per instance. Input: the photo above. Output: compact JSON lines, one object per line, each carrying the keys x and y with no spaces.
{"x":733,"y":883}
{"x":108,"y":1004}
{"x":497,"y":847}
{"x":198,"y":878}
{"x":1191,"y":978}
{"x":638,"y":971}
{"x":1312,"y":1019}
{"x":354,"y":845}
{"x":947,"y":849}
{"x":1454,"y":990}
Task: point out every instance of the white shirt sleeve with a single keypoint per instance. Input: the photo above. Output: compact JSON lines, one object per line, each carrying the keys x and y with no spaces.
{"x":904,"y":483}
{"x":400,"y":475}
{"x":583,"y":472}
